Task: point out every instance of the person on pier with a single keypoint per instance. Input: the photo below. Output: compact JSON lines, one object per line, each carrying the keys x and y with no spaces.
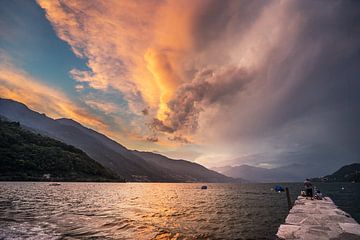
{"x":308,"y":188}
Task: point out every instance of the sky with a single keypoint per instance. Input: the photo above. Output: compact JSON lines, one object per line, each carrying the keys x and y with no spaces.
{"x":265,"y":83}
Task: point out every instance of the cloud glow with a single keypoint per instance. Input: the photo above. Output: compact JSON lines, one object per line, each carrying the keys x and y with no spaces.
{"x":222,"y":81}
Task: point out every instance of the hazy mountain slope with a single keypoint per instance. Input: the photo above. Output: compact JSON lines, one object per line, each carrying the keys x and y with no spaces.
{"x":28,"y":156}
{"x":221,"y":169}
{"x":100,"y":137}
{"x":257,"y":174}
{"x":106,"y":151}
{"x":183,"y":170}
{"x":348,"y":173}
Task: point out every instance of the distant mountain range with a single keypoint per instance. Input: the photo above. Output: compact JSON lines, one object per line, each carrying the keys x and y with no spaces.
{"x":290,"y":173}
{"x":29,"y":156}
{"x":131,"y":165}
{"x":348,"y":173}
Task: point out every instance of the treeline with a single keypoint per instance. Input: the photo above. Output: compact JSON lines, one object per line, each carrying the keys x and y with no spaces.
{"x":25,"y":155}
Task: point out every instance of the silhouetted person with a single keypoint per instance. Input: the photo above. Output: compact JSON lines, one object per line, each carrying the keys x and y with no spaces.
{"x":308,"y":188}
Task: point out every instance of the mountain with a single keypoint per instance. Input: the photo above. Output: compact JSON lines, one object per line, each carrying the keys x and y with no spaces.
{"x":221,"y":169}
{"x":126,"y":163}
{"x":76,"y":136}
{"x":28,"y":156}
{"x":348,"y":173}
{"x":291,"y":173}
{"x":181,"y":170}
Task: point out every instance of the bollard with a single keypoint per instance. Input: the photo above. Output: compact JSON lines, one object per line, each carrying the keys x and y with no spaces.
{"x":288,"y":198}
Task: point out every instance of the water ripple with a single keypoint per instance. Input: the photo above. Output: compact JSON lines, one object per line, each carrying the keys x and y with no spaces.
{"x":139,"y":211}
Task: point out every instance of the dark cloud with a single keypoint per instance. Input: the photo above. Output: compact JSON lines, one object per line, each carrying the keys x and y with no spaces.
{"x":145,"y":111}
{"x":158,"y":125}
{"x":304,"y":107}
{"x":180,"y":139}
{"x":207,"y":88}
{"x":152,"y":139}
{"x":323,"y":95}
{"x":221,"y":19}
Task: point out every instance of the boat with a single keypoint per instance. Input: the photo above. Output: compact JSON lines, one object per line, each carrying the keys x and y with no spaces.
{"x":54,"y":184}
{"x":279,"y":188}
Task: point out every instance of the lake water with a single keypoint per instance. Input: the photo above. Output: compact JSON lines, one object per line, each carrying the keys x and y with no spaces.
{"x":151,"y":210}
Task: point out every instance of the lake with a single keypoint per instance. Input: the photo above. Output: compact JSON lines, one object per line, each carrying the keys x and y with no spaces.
{"x":152,"y":210}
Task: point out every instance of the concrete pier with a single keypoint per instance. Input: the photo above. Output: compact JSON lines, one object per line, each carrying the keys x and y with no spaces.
{"x":318,"y":219}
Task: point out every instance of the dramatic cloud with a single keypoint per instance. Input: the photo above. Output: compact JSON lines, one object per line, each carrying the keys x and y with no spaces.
{"x":267,"y":79}
{"x":301,"y":104}
{"x":129,"y":46}
{"x":152,"y":54}
{"x":207,"y":88}
{"x":18,"y":85}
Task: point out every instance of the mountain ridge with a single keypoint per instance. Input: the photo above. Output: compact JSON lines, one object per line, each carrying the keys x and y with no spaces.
{"x":347,"y":173}
{"x":104,"y":150}
{"x":259,"y":174}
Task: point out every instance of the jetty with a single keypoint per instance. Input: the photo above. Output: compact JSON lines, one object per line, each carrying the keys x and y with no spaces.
{"x":318,"y":219}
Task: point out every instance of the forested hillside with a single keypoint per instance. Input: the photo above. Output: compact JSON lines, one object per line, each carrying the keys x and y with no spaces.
{"x":28,"y":156}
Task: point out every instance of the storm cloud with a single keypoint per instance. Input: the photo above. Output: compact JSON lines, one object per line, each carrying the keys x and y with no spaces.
{"x":273,"y":79}
{"x":207,"y":88}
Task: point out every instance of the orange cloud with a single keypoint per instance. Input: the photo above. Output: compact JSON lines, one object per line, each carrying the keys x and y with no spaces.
{"x":154,"y":52}
{"x":139,"y":49}
{"x":20,"y":86}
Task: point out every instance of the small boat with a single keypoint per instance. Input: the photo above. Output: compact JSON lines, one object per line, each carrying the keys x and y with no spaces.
{"x":54,"y":184}
{"x":279,"y":188}
{"x":204,"y":187}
